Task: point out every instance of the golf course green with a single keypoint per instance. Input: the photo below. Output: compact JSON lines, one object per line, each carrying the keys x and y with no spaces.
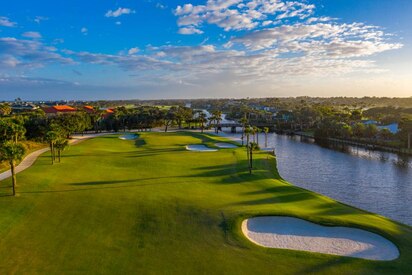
{"x":150,"y":206}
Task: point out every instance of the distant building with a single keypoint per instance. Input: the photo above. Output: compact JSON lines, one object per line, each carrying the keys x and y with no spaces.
{"x":89,"y":109}
{"x":107,"y":112}
{"x":58,"y":109}
{"x":21,"y":106}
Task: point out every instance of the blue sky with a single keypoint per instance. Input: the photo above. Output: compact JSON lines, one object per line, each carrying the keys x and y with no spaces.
{"x":138,"y":49}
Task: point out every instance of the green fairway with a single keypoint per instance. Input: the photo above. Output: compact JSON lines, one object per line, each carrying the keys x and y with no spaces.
{"x":149,"y":206}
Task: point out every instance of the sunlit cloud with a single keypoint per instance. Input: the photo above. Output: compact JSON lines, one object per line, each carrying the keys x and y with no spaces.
{"x":28,"y":54}
{"x":34,"y":35}
{"x":118,"y":12}
{"x":240,"y":15}
{"x":5,"y":22}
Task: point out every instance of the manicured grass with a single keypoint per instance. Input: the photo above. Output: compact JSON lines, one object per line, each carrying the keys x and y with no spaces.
{"x":149,"y":206}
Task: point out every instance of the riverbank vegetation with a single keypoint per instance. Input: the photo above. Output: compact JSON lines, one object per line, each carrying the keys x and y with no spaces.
{"x":325,"y":119}
{"x":150,"y":206}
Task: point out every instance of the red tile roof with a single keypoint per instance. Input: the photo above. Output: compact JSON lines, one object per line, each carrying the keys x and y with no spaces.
{"x":59,"y":109}
{"x":88,"y":109}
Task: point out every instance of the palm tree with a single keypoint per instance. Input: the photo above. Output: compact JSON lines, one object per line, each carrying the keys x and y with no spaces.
{"x":247,"y":133}
{"x":52,"y":137}
{"x":217,"y":117}
{"x":12,"y":152}
{"x":254,"y":131}
{"x":18,"y":131}
{"x":60,"y":145}
{"x":266,"y":131}
{"x":253,"y":146}
{"x":202,"y":120}
{"x":244,"y":122}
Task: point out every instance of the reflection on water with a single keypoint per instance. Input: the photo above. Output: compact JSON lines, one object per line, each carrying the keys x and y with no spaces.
{"x":376,"y":181}
{"x":398,"y":160}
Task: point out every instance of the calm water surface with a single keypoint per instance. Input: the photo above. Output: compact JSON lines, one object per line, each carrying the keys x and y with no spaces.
{"x":379,"y":182}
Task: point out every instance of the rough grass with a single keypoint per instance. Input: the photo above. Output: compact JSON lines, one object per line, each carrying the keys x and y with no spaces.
{"x":149,"y":206}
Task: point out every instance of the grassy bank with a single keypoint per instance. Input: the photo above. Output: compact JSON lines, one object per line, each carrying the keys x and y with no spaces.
{"x":149,"y":206}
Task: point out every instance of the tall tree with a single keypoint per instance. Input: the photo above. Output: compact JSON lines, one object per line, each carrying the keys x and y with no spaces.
{"x":217,"y":118}
{"x":60,"y":145}
{"x":202,"y":120}
{"x":247,"y":134}
{"x":244,"y":121}
{"x":52,"y":137}
{"x":168,"y":118}
{"x":252,"y":147}
{"x":183,"y":114}
{"x":12,"y":152}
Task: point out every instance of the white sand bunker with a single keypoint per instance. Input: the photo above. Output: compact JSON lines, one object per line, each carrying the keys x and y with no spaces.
{"x":200,"y":148}
{"x":128,"y":137}
{"x":224,"y":145}
{"x":297,"y":234}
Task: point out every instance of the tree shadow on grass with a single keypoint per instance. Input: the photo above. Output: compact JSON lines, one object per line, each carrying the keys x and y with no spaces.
{"x":104,"y":182}
{"x":153,"y":152}
{"x":285,"y":193}
{"x":97,"y":183}
{"x":140,"y":142}
{"x":237,"y":172}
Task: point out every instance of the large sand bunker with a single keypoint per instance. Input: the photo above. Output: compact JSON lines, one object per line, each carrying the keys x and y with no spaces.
{"x":224,"y":145}
{"x":128,"y":137}
{"x":200,"y":148}
{"x":297,"y":234}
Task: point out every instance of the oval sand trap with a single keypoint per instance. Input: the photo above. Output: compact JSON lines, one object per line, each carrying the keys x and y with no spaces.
{"x":128,"y":137}
{"x":200,"y":148}
{"x":297,"y":234}
{"x":224,"y":145}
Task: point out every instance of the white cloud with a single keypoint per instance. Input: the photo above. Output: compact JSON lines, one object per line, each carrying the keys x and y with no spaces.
{"x":38,"y":19}
{"x":28,"y":54}
{"x":320,"y":19}
{"x":84,"y":30}
{"x":34,"y":35}
{"x":118,"y":12}
{"x":240,"y":14}
{"x":118,"y":23}
{"x":133,"y":50}
{"x":189,"y":30}
{"x":161,"y":6}
{"x":5,"y":22}
{"x":267,"y":23}
{"x":322,"y":39}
